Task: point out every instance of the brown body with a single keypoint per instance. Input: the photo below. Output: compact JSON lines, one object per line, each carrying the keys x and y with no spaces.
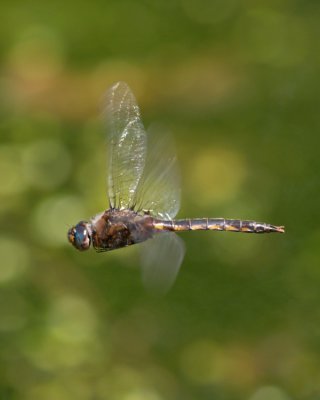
{"x":120,"y":228}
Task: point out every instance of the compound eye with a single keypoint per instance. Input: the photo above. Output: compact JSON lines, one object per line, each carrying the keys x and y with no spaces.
{"x":79,"y":236}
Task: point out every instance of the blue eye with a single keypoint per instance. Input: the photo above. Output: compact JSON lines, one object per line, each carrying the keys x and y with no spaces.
{"x":79,"y":236}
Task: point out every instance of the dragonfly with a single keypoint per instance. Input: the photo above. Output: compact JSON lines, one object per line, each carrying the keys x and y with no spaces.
{"x":144,"y":197}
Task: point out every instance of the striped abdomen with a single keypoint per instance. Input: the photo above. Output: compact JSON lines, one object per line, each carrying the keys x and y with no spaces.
{"x":216,"y":224}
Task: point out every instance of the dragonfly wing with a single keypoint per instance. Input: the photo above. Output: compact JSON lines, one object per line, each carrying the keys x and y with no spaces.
{"x":127,"y":144}
{"x":161,"y":260}
{"x":159,"y":189}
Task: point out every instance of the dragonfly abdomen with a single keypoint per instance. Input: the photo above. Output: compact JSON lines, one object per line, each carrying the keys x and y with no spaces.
{"x":216,"y":224}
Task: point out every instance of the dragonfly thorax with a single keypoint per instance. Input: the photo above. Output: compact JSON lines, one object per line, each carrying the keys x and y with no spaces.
{"x":116,"y":228}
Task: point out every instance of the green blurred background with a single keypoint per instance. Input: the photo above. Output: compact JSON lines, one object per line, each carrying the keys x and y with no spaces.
{"x":237,"y":84}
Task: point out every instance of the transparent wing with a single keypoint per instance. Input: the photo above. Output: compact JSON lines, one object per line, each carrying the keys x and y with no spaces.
{"x":161,"y":260}
{"x":127,"y":144}
{"x":159,"y":188}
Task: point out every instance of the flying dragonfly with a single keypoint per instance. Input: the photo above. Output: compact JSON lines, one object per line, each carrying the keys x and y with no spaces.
{"x":144,"y":197}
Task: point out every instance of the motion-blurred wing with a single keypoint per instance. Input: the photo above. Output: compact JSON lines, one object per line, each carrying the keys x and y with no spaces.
{"x":161,"y":260}
{"x":159,"y":189}
{"x":126,"y":145}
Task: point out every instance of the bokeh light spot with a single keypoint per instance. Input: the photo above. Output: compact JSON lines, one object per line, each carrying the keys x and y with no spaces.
{"x":142,"y":393}
{"x":269,"y":392}
{"x":54,"y":216}
{"x":69,"y":338}
{"x":127,"y":383}
{"x":71,"y":319}
{"x":215,"y":176}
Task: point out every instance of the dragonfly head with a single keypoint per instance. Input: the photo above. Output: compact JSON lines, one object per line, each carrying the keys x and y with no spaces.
{"x":79,"y":236}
